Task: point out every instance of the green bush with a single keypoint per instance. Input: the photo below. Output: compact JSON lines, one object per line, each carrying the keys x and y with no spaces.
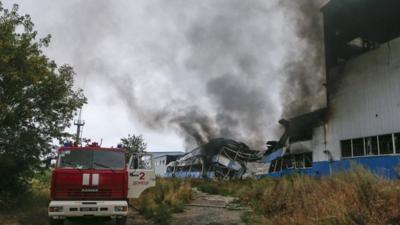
{"x":209,"y":188}
{"x":177,"y":207}
{"x":162,"y":214}
{"x":30,"y":206}
{"x":167,"y":197}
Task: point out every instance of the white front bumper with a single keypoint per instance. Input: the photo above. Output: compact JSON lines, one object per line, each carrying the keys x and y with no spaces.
{"x":87,"y":208}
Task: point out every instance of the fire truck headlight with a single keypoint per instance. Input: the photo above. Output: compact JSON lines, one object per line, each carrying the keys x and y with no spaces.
{"x":56,"y":209}
{"x":120,"y":208}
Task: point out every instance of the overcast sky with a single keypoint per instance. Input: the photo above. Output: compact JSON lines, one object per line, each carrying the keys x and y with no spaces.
{"x":152,"y":67}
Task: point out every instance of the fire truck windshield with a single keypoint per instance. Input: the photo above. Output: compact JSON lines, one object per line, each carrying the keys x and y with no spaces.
{"x":91,"y":159}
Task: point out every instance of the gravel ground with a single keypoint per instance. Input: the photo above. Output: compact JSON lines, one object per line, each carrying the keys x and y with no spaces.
{"x":208,"y":209}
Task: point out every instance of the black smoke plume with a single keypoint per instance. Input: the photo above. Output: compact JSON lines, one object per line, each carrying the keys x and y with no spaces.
{"x":203,"y":69}
{"x":303,"y":89}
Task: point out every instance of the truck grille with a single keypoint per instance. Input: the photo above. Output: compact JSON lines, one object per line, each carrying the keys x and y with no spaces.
{"x":100,"y":193}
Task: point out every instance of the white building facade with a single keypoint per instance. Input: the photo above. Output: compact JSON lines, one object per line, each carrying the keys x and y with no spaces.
{"x":361,"y":123}
{"x":161,"y":160}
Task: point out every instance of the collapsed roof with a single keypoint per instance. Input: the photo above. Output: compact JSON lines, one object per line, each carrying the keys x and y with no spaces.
{"x":225,"y":157}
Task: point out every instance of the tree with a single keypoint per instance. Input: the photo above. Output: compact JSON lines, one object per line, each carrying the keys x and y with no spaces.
{"x":37,"y":100}
{"x":134,"y":144}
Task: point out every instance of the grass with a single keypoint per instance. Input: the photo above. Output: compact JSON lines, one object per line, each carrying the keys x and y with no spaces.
{"x":355,"y":197}
{"x":167,"y":197}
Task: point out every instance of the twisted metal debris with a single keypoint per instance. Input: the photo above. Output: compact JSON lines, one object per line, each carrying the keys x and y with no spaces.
{"x":220,"y":158}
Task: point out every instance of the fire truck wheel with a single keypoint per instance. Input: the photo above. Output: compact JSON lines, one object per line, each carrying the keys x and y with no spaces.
{"x":120,"y":221}
{"x":56,"y":221}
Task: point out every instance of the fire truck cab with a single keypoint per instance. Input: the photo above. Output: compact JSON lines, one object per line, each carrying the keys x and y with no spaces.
{"x":93,"y":181}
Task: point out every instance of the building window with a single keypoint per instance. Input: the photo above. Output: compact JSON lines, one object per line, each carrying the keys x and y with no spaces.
{"x":371,"y":145}
{"x":299,"y":161}
{"x":358,"y":147}
{"x":375,"y":145}
{"x":397,"y":142}
{"x":272,"y":166}
{"x":286,"y":163}
{"x":278,"y":166}
{"x":346,"y":148}
{"x":308,"y":159}
{"x":385,"y":144}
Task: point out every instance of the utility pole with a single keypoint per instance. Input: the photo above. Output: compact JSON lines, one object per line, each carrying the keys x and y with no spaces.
{"x":79,"y":124}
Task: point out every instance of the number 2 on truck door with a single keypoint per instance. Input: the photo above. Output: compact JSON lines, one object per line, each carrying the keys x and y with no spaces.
{"x":141,"y":174}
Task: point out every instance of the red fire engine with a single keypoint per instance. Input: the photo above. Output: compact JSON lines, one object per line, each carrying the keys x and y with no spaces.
{"x":93,"y":181}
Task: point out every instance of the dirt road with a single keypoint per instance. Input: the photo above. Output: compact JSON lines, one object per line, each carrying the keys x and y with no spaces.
{"x":208,"y":209}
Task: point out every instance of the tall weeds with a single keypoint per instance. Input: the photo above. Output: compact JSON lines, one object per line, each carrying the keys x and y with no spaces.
{"x":167,"y":197}
{"x":355,"y":197}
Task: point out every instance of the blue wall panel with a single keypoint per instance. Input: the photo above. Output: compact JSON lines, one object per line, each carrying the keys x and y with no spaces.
{"x":384,"y":166}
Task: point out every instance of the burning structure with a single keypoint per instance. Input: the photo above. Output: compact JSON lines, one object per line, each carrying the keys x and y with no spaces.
{"x":220,"y":158}
{"x":360,"y":122}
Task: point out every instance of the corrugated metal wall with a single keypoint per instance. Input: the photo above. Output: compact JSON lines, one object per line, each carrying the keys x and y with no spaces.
{"x":366,"y":100}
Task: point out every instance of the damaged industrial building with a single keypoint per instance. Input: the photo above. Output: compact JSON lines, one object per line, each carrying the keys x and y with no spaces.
{"x":360,"y":123}
{"x":220,"y":158}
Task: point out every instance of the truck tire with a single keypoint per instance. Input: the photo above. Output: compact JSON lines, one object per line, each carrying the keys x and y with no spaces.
{"x":120,"y":220}
{"x":56,"y":221}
